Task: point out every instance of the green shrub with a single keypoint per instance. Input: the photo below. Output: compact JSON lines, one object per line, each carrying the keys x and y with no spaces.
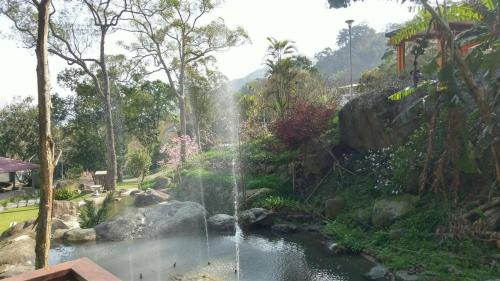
{"x":267,"y":181}
{"x":91,"y":215}
{"x":65,"y":193}
{"x":350,"y":237}
{"x":4,"y":203}
{"x":74,"y":172}
{"x":138,"y":163}
{"x":277,"y":203}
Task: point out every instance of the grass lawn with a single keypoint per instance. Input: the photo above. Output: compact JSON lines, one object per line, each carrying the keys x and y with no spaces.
{"x":17,"y":215}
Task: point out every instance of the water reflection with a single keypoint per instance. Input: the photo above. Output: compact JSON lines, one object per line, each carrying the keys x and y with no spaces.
{"x":262,"y":257}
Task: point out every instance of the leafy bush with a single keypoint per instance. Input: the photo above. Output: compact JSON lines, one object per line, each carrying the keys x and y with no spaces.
{"x":138,"y":163}
{"x":302,"y":123}
{"x":91,"y":216}
{"x":4,"y":203}
{"x":65,"y":193}
{"x":277,"y":203}
{"x":74,"y":172}
{"x":268,"y":181}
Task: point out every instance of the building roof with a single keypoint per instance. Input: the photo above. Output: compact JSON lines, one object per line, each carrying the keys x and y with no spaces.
{"x":8,"y":165}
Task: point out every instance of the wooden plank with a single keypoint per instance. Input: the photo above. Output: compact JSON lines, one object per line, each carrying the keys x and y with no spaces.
{"x":82,"y":269}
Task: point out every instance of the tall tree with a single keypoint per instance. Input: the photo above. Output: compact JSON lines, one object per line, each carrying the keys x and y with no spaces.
{"x":172,"y":35}
{"x":39,"y":33}
{"x":19,"y":116}
{"x":73,"y":33}
{"x":279,"y":63}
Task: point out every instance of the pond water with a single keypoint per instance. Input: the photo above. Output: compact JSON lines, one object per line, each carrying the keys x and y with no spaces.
{"x":263,"y":257}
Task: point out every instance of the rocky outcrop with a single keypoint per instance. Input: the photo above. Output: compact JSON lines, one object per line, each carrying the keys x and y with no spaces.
{"x":333,"y":207}
{"x":17,"y":247}
{"x":156,"y":221}
{"x":64,"y":224}
{"x":221,"y":222}
{"x":161,"y":182}
{"x":284,"y":228}
{"x":371,"y":121}
{"x":62,"y":209}
{"x":150,"y":197}
{"x":80,"y":235}
{"x":386,"y":211}
{"x":254,"y":218}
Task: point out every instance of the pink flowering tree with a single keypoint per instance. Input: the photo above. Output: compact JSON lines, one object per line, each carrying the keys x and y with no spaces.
{"x":172,"y":151}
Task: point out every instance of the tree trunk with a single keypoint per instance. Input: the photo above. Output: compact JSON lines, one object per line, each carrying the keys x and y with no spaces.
{"x":45,"y":139}
{"x":110,"y":146}
{"x":110,"y":133}
{"x":182,"y":113}
{"x":119,"y":173}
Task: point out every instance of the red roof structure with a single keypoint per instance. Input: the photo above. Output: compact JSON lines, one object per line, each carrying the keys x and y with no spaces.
{"x":8,"y":165}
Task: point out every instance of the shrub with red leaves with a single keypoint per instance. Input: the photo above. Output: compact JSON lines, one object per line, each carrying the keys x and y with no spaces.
{"x":303,"y":122}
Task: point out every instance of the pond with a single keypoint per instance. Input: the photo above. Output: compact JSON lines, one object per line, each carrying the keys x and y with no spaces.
{"x":263,"y":257}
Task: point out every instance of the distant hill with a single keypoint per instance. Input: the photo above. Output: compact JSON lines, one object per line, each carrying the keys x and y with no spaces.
{"x":237,"y":84}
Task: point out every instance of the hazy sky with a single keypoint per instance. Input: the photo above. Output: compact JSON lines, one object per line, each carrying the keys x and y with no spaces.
{"x":307,"y":22}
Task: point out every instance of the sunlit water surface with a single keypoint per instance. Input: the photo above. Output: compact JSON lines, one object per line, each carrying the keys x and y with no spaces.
{"x":263,"y":257}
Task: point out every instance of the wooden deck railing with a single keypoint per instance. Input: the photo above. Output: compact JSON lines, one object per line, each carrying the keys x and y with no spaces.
{"x":78,"y":270}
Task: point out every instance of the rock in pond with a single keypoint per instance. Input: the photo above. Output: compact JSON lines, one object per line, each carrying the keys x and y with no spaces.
{"x":221,"y":222}
{"x":156,"y":221}
{"x":284,"y":228}
{"x":80,"y":235}
{"x":150,"y":197}
{"x":255,"y":217}
{"x":122,"y":228}
{"x":377,"y":273}
{"x":386,"y":211}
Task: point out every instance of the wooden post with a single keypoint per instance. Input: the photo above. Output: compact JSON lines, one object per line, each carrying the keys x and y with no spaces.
{"x":401,"y":63}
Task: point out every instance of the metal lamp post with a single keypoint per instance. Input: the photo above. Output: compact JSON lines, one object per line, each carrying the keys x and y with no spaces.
{"x":349,"y":23}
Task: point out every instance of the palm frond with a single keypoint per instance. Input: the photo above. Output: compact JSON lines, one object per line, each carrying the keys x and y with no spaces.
{"x":408,"y":91}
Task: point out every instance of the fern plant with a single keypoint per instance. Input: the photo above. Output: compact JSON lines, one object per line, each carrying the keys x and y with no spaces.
{"x":91,"y":215}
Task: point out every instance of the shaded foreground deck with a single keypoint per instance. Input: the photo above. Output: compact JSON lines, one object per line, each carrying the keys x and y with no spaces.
{"x":77,"y":270}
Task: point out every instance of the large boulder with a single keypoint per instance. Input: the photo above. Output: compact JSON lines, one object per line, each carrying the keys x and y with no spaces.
{"x":161,"y":182}
{"x":173,"y":217}
{"x":386,"y":211}
{"x":80,"y":235}
{"x":64,"y":224}
{"x":122,"y":228}
{"x":221,"y":222}
{"x":255,"y":217}
{"x":17,"y":253}
{"x":150,"y":197}
{"x":61,"y":209}
{"x":333,"y":207}
{"x":371,"y":121}
{"x":492,"y":219}
{"x":156,"y":221}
